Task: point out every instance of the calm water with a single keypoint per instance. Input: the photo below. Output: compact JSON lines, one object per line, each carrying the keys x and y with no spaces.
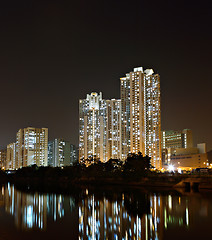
{"x":109,"y":214}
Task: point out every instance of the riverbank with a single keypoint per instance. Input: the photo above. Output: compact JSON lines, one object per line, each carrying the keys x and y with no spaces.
{"x":72,"y":178}
{"x":154,"y":181}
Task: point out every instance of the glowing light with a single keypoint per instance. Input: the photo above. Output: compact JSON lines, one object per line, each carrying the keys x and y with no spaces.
{"x":170,"y":168}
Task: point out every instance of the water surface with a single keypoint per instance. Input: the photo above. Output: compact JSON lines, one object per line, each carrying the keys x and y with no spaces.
{"x":104,"y":214}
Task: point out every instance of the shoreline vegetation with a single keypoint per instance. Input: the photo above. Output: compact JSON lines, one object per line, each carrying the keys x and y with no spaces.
{"x":135,"y":172}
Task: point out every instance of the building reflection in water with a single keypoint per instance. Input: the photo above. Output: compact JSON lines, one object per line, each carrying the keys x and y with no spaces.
{"x":31,"y":210}
{"x":104,"y":219}
{"x":109,"y":216}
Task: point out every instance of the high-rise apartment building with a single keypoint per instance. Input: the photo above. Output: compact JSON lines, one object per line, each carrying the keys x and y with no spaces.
{"x":61,"y":153}
{"x":10,"y":162}
{"x":19,"y":149}
{"x":32,"y":147}
{"x":100,"y":128}
{"x":114,"y":143}
{"x":125,"y":115}
{"x":74,"y":156}
{"x":141,"y":128}
{"x":56,"y":153}
{"x":92,"y":127}
{"x":3,"y":158}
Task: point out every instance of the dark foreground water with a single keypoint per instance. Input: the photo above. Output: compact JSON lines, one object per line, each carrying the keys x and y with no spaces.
{"x":104,"y":214}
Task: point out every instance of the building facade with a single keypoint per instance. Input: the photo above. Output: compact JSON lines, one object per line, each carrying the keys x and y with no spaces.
{"x":172,"y":140}
{"x":74,"y":154}
{"x":100,"y":135}
{"x":93,"y":127}
{"x":125,"y":115}
{"x":3,"y":158}
{"x":19,"y":149}
{"x":11,"y":153}
{"x":141,"y":116}
{"x":32,"y":147}
{"x":61,"y":153}
{"x":187,"y":158}
{"x":114,"y":143}
{"x":177,"y":139}
{"x":56,"y":153}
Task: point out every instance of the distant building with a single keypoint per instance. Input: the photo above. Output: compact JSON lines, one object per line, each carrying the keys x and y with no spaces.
{"x":172,"y":140}
{"x":209,"y":154}
{"x":19,"y":149}
{"x":74,"y":156}
{"x":187,"y":158}
{"x":61,"y":153}
{"x":141,"y":117}
{"x":11,"y":151}
{"x":55,"y":153}
{"x":32,"y":147}
{"x":177,"y":139}
{"x":202,"y":147}
{"x":3,"y":158}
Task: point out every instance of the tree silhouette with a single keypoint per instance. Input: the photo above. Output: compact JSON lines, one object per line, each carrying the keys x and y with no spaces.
{"x":137,"y":163}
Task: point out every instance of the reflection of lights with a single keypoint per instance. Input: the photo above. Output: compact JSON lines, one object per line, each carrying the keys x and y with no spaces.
{"x":108,"y":217}
{"x":146,"y":227}
{"x":159,"y":201}
{"x":93,"y":219}
{"x":170,"y":201}
{"x":29,"y":217}
{"x":155,"y":213}
{"x":8,"y":187}
{"x":126,"y":236}
{"x":187,"y":216}
{"x":165,"y":219}
{"x":179,"y":170}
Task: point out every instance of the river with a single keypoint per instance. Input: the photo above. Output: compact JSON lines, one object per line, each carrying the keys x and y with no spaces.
{"x":108,"y":213}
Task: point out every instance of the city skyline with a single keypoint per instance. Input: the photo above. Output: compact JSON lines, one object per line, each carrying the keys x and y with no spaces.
{"x":53,"y":54}
{"x":106,"y":119}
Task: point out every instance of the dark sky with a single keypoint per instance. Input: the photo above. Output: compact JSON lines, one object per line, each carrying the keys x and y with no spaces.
{"x":52,"y":53}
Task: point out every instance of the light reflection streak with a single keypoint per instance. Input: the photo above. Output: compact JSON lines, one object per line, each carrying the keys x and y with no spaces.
{"x":31,"y":210}
{"x":101,"y":218}
{"x":115,"y":222}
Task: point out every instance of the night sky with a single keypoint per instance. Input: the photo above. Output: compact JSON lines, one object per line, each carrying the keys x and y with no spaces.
{"x":52,"y":53}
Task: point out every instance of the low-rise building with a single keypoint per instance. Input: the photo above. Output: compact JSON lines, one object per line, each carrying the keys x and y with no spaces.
{"x":186,"y":158}
{"x":173,"y":140}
